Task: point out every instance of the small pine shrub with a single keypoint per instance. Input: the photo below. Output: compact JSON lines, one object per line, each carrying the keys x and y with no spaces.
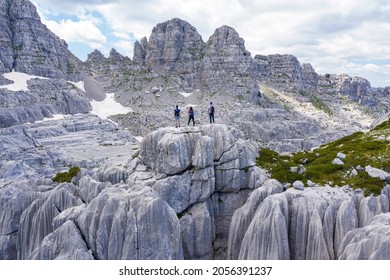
{"x":66,"y":177}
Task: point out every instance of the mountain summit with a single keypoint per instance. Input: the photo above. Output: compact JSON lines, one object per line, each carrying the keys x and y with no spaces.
{"x":29,"y":46}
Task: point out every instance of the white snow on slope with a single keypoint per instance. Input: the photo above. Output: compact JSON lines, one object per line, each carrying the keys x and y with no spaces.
{"x":185,"y":94}
{"x":108,"y":107}
{"x":79,"y":85}
{"x":188,"y":94}
{"x":20,"y":81}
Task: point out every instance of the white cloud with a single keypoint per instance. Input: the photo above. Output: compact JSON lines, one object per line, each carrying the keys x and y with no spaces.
{"x":124,"y":47}
{"x":80,"y":31}
{"x":122,"y":35}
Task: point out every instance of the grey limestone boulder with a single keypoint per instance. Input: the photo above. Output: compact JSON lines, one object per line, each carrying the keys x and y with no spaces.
{"x":377,"y":173}
{"x":243,"y":216}
{"x":36,"y":220}
{"x":65,"y":243}
{"x":197,"y":232}
{"x":133,"y":224}
{"x":298,"y":185}
{"x":337,"y":161}
{"x":167,"y":151}
{"x":296,"y":224}
{"x":371,"y":242}
{"x":341,"y":155}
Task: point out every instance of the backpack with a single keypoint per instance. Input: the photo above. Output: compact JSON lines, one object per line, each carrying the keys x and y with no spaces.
{"x":212,"y":109}
{"x":177,"y":111}
{"x":191,"y":113}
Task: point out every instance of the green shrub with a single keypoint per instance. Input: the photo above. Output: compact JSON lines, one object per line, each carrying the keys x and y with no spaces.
{"x":360,"y":149}
{"x":320,"y":105}
{"x":66,"y":177}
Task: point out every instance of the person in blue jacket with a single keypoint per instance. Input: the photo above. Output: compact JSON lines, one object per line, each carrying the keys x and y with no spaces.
{"x":177,"y":115}
{"x":211,"y":112}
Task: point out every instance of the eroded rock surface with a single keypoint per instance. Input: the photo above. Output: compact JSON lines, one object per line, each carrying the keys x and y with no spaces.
{"x":301,"y":224}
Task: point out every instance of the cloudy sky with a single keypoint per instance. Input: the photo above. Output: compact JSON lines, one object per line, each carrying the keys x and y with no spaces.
{"x":335,"y":36}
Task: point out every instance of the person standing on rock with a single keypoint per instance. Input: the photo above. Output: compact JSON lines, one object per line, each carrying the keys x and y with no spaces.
{"x":177,"y":115}
{"x":191,"y":116}
{"x":211,"y":112}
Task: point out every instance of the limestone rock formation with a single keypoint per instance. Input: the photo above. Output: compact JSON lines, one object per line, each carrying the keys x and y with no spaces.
{"x":244,"y":215}
{"x":182,"y":193}
{"x":30,"y":47}
{"x":139,"y":55}
{"x":368,"y":243}
{"x":45,"y":98}
{"x":285,"y":72}
{"x":225,"y":59}
{"x":310,"y":224}
{"x":121,"y":206}
{"x":173,"y":46}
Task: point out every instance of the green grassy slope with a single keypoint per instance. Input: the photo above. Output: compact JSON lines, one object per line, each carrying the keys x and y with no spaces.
{"x":361,"y":149}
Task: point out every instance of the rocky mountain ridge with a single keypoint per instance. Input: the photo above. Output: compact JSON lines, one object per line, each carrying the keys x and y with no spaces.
{"x":176,"y":67}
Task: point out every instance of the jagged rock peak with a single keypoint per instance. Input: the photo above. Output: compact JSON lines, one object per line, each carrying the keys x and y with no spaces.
{"x":29,"y":46}
{"x":20,"y":9}
{"x":227,"y":36}
{"x":115,"y":56}
{"x":140,"y":51}
{"x":228,"y":66}
{"x":95,"y":56}
{"x":173,"y":46}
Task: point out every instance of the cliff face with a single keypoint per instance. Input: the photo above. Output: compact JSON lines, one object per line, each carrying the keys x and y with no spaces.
{"x":286,"y":73}
{"x":227,"y":65}
{"x":176,"y":49}
{"x":29,"y":46}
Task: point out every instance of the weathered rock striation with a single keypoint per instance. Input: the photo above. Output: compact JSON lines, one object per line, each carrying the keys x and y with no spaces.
{"x":210,"y":173}
{"x":310,"y":224}
{"x":368,"y":243}
{"x":183,"y":193}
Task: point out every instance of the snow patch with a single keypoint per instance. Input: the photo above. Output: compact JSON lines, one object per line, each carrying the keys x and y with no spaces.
{"x":55,"y":117}
{"x":20,"y":81}
{"x":108,"y":107}
{"x":185,"y":94}
{"x":79,"y":85}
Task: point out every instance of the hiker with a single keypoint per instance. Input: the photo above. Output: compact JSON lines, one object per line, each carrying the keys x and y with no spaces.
{"x":211,"y":112}
{"x":177,"y":116}
{"x":191,"y":116}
